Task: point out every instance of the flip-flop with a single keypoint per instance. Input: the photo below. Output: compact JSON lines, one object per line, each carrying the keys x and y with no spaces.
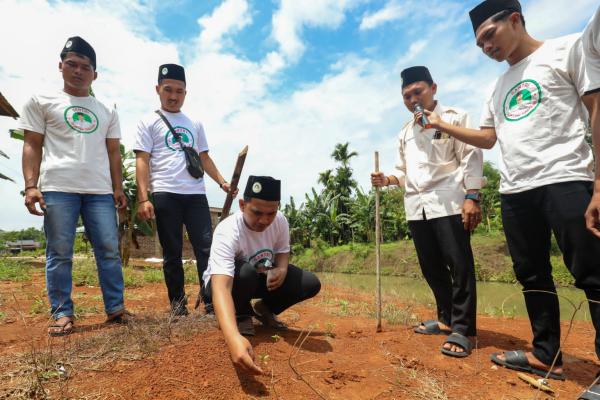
{"x":517,"y":360}
{"x":591,"y":393}
{"x":432,"y":327}
{"x":64,"y":331}
{"x":459,"y":340}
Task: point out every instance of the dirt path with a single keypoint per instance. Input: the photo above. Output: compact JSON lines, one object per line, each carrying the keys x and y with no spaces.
{"x":342,"y":358}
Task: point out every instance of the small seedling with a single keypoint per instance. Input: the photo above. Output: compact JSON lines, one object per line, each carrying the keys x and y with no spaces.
{"x":344,"y":307}
{"x":37,"y":307}
{"x":329,"y":330}
{"x":276,"y":338}
{"x":263,"y":358}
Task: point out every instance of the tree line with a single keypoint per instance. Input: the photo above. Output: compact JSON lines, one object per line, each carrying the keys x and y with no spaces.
{"x":343,"y":212}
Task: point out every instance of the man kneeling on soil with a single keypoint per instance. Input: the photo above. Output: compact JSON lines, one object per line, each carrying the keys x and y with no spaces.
{"x":249,"y":260}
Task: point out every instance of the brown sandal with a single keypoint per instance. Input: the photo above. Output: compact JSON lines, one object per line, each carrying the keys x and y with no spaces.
{"x":66,"y":328}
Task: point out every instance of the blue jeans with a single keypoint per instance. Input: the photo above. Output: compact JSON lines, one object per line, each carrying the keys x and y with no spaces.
{"x":100,"y":221}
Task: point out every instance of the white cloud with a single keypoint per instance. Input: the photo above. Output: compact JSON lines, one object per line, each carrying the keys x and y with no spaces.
{"x":291,"y":135}
{"x":127,"y":67}
{"x":414,"y":50}
{"x":392,"y":11}
{"x":546,"y":19}
{"x":293,"y":15}
{"x":229,"y":17}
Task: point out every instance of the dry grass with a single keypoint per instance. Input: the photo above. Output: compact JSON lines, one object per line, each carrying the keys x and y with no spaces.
{"x":44,"y":372}
{"x":412,"y":378}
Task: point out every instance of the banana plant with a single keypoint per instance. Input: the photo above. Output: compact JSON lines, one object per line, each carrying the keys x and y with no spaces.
{"x":130,"y":227}
{"x":2,"y":176}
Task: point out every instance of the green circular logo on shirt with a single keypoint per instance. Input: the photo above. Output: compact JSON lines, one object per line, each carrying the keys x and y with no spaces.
{"x":186,"y":137}
{"x":522,"y":100}
{"x":262,"y":258}
{"x":81,"y":120}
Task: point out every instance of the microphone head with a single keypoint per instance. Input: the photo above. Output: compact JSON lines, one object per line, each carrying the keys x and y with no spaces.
{"x":417,"y":108}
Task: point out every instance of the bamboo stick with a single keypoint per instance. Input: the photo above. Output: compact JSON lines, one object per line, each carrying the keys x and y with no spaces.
{"x":377,"y":246}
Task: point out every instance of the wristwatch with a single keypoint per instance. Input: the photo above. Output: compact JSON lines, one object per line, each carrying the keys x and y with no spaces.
{"x":476,"y":197}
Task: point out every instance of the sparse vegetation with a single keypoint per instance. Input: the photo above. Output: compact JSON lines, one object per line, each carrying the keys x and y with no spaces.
{"x":16,"y":271}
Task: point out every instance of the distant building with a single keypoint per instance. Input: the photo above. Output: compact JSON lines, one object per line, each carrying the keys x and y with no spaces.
{"x":22,"y":245}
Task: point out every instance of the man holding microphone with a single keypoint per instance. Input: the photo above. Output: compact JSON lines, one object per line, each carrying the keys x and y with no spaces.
{"x":441,"y":177}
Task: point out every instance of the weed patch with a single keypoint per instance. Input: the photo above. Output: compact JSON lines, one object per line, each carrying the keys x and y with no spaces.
{"x":14,"y":271}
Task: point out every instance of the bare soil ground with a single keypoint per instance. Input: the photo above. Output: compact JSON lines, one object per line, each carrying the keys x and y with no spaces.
{"x":330,"y":352}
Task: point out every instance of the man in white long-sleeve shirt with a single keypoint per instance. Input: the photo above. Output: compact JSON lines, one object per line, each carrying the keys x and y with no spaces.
{"x":441,"y":177}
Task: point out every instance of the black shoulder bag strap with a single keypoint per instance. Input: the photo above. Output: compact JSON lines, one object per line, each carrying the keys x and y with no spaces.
{"x":192,"y":158}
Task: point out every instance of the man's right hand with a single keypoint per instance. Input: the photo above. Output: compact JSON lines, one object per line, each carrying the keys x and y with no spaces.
{"x":434,"y":119}
{"x":378,"y":179}
{"x":592,"y":215}
{"x":145,"y":210}
{"x":242,"y":355}
{"x":33,"y":196}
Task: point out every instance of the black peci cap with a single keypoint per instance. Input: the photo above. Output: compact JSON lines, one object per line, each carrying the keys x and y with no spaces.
{"x":171,"y":71}
{"x":415,"y":74}
{"x":490,"y":8}
{"x":263,"y":187}
{"x":78,"y":45}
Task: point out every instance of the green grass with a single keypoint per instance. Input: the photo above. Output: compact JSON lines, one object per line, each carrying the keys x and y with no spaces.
{"x":492,"y":260}
{"x":81,"y":310}
{"x":85,"y":273}
{"x":14,"y":271}
{"x":38,"y":306}
{"x":153,"y":275}
{"x":133,"y":278}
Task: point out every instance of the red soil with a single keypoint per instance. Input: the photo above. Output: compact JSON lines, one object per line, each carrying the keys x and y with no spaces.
{"x":342,"y":358}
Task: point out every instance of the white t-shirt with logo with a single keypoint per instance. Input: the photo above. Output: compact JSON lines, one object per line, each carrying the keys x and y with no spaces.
{"x":168,"y":170}
{"x":591,"y":51}
{"x":233,"y":240}
{"x":75,"y":129}
{"x":539,"y":118}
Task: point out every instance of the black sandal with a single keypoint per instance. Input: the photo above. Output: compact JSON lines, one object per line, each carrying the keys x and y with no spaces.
{"x":459,"y":340}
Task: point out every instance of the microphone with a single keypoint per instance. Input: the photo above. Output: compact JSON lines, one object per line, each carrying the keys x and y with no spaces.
{"x":424,"y":121}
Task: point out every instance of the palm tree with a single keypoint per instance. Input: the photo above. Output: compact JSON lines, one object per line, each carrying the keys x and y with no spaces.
{"x":341,"y":154}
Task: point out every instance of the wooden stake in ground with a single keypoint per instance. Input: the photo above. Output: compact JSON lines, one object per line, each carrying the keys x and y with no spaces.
{"x":235,"y":179}
{"x":377,"y":246}
{"x":237,"y":171}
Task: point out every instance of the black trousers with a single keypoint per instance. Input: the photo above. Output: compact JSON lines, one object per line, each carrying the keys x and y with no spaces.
{"x":529,"y":218}
{"x":248,"y":284}
{"x":446,"y":259}
{"x":173,"y":211}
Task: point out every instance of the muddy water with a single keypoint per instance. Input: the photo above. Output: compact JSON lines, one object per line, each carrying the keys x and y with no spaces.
{"x":492,"y":298}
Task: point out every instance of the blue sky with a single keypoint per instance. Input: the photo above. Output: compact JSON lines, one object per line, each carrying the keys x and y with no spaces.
{"x":289,"y":78}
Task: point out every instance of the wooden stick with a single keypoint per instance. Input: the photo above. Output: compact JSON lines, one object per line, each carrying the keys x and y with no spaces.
{"x":237,"y":171}
{"x":377,"y":246}
{"x":538,"y":383}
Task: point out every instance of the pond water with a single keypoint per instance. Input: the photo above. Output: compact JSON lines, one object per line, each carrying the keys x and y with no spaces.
{"x":490,"y":295}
